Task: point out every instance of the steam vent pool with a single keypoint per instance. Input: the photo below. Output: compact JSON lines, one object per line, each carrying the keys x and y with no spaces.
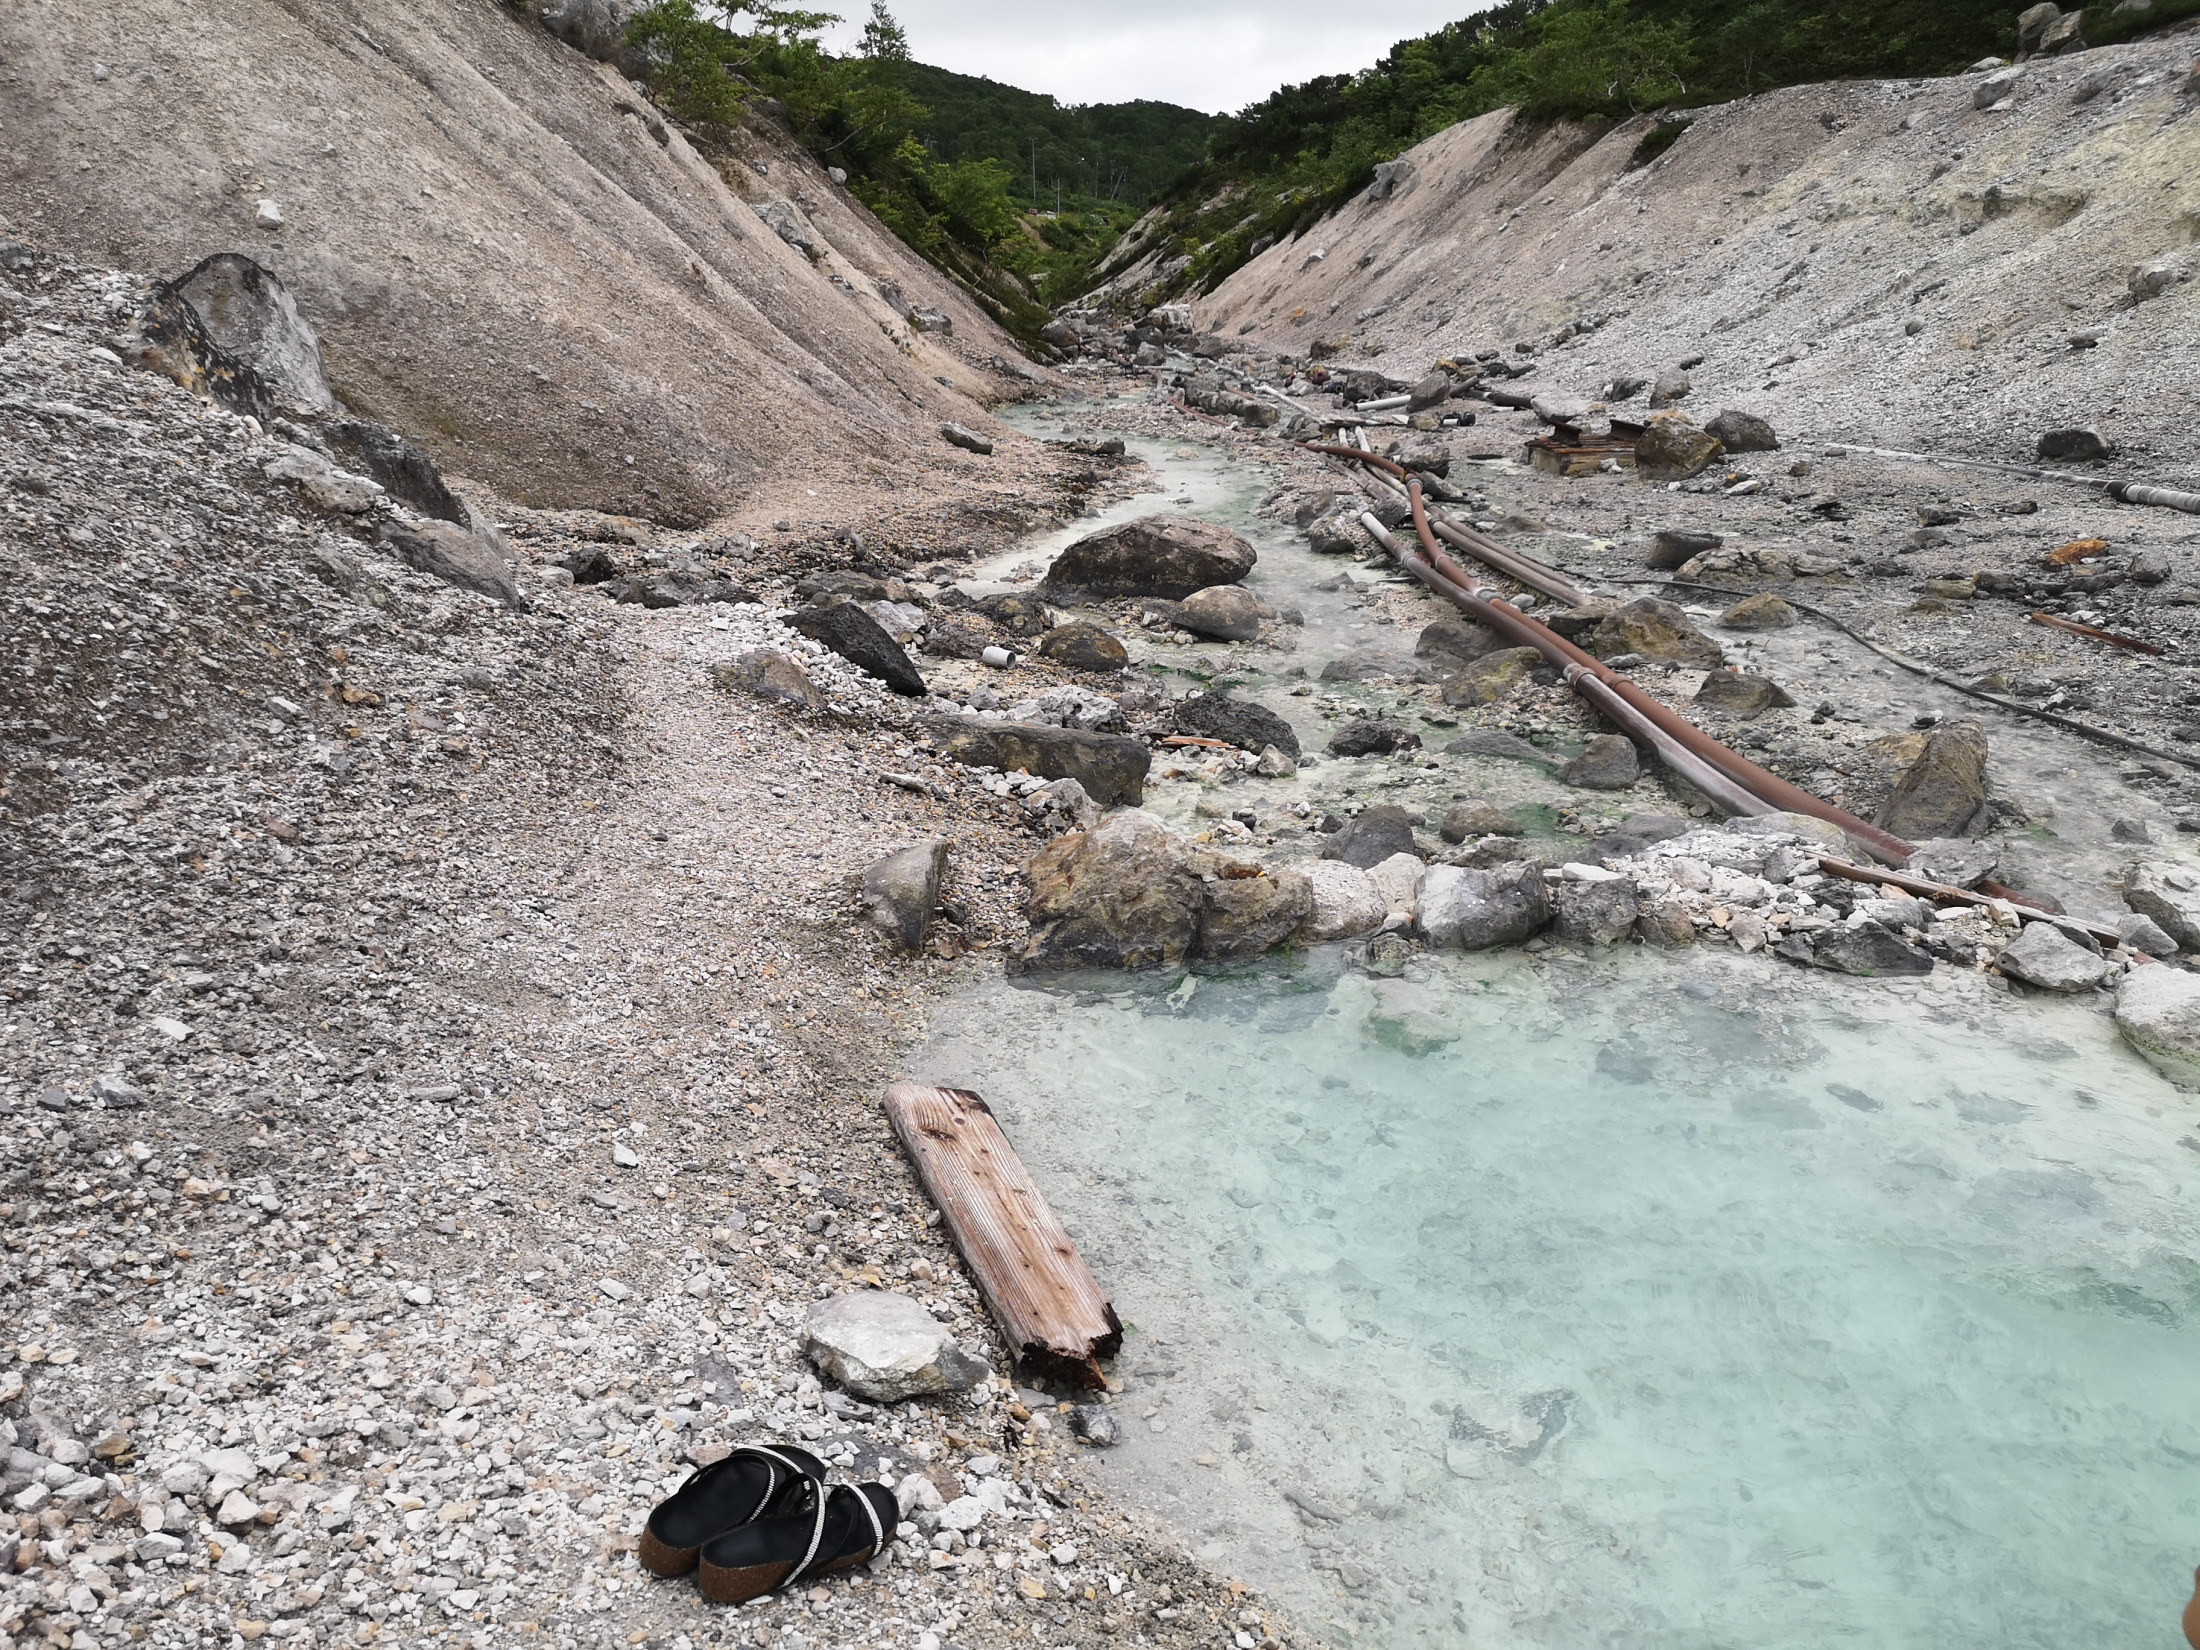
{"x":1631,"y":1302}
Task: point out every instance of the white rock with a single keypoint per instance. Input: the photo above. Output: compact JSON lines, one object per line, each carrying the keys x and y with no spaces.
{"x":174,"y":1030}
{"x":965,"y":1513}
{"x":268,"y":214}
{"x":886,"y":1347}
{"x":1395,"y":881}
{"x":2158,"y":1011}
{"x":1346,"y":902}
{"x":1575,"y":871}
{"x":613,"y":1289}
{"x":236,"y":1509}
{"x":917,"y":1493}
{"x":228,"y":1463}
{"x":623,"y":1155}
{"x":30,"y":1498}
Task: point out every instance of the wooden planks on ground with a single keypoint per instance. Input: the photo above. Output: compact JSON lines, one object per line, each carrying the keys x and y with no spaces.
{"x":1058,"y":1323}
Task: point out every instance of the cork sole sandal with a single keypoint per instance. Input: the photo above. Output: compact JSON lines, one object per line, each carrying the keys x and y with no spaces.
{"x":720,"y":1497}
{"x":815,"y":1531}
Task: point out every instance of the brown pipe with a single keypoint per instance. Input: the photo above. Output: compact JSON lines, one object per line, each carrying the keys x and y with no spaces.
{"x":1521,"y":569}
{"x":1509,"y":621}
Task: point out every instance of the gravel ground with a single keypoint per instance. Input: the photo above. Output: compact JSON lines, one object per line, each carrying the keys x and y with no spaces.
{"x":441,"y":1068}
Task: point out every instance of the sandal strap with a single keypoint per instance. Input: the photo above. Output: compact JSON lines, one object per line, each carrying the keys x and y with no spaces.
{"x":774,"y":1462}
{"x":878,"y":1530}
{"x":824,"y":1500}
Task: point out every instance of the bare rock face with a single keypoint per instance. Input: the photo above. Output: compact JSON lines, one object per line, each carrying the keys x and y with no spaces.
{"x":455,"y":556}
{"x":1111,"y":766}
{"x":252,"y":316}
{"x":1943,"y":792}
{"x":1656,"y":630}
{"x":2158,"y":1011}
{"x":903,"y":891}
{"x":1169,"y":556}
{"x":1672,"y":449}
{"x":886,"y":1347}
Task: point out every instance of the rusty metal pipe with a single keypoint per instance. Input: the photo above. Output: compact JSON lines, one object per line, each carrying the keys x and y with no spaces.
{"x":1745,"y":775}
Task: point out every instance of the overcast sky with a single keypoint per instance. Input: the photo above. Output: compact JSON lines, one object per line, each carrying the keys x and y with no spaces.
{"x":1217,"y":55}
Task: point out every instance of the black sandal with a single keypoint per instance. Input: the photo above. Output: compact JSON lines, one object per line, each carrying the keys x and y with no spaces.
{"x":720,"y":1497}
{"x":815,"y":1530}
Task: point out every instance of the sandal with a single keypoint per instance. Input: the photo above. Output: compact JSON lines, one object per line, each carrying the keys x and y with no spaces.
{"x":722,"y":1496}
{"x":816,"y":1530}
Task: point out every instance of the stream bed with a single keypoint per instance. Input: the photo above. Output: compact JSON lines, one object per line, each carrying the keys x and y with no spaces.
{"x":1631,"y":1301}
{"x":1623,"y":1300}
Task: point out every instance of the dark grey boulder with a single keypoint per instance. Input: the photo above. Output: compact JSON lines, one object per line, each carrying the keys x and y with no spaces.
{"x":1596,"y":913}
{"x":2075,"y":445}
{"x":592,"y":564}
{"x":1740,"y":694}
{"x":1741,"y":432}
{"x":857,"y":637}
{"x":969,"y":440}
{"x":1216,"y":715}
{"x":1111,"y":767}
{"x":1169,"y":556}
{"x":1608,"y":762}
{"x":1377,"y":834}
{"x":903,"y":891}
{"x":1371,"y":736}
{"x":1019,"y":615}
{"x":769,"y":674}
{"x":1869,"y":949}
{"x":1497,"y":742}
{"x":253,"y":318}
{"x":1942,"y":793}
{"x":1460,"y":639}
{"x":454,"y":555}
{"x":1675,"y":548}
{"x":406,"y":473}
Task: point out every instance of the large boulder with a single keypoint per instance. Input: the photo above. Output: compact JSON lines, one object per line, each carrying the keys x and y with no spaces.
{"x":1346,"y":904}
{"x":1112,"y":767}
{"x":1608,"y":762}
{"x":2169,"y":894}
{"x":1373,"y":837}
{"x":1131,"y":894}
{"x":1215,"y":715}
{"x":1227,"y":612}
{"x":1738,"y":693}
{"x":1371,"y":736}
{"x":1672,"y":449}
{"x":253,"y":318}
{"x":886,"y":1347}
{"x":1244,"y":915}
{"x":1083,"y":645}
{"x":454,"y":555}
{"x":1168,"y":556}
{"x":1475,"y":910}
{"x":2043,"y":955}
{"x":1597,"y":912}
{"x":903,"y":890}
{"x":1741,"y":432}
{"x":857,"y":637}
{"x":1486,"y":680}
{"x":1943,"y":792}
{"x":1656,"y":630}
{"x":2158,"y":1011}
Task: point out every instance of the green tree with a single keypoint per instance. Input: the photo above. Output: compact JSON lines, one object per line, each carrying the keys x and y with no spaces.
{"x":698,"y":57}
{"x":883,"y":40}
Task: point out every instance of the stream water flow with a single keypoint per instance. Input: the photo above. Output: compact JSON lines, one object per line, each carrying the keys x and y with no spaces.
{"x":1630,"y":1300}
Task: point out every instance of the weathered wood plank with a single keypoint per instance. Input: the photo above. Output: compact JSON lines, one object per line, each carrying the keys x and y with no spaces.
{"x":1058,"y":1323}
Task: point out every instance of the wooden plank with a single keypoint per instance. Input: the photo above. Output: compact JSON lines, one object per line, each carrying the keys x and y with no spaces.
{"x":1058,"y":1323}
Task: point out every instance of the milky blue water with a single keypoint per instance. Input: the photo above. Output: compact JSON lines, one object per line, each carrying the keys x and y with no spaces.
{"x":1637,"y":1302}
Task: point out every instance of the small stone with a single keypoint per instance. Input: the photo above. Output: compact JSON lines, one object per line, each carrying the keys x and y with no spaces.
{"x":1275,"y":764}
{"x":624,"y":1156}
{"x":1740,"y":694}
{"x":2130,"y":830}
{"x":1379,"y":833}
{"x":1488,"y":679}
{"x":1596,"y":913}
{"x":1673,"y":386}
{"x":268,"y":214}
{"x":1674,"y":548}
{"x":1371,"y":736}
{"x":1870,"y":949}
{"x":1082,"y":645}
{"x":969,"y":440}
{"x":2144,"y":934}
{"x":2168,"y":894}
{"x":612,"y":1289}
{"x":903,"y":890}
{"x":237,"y":1510}
{"x":1094,"y":1424}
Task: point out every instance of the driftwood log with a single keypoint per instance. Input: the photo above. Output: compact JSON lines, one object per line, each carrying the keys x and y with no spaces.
{"x":1049,"y":1306}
